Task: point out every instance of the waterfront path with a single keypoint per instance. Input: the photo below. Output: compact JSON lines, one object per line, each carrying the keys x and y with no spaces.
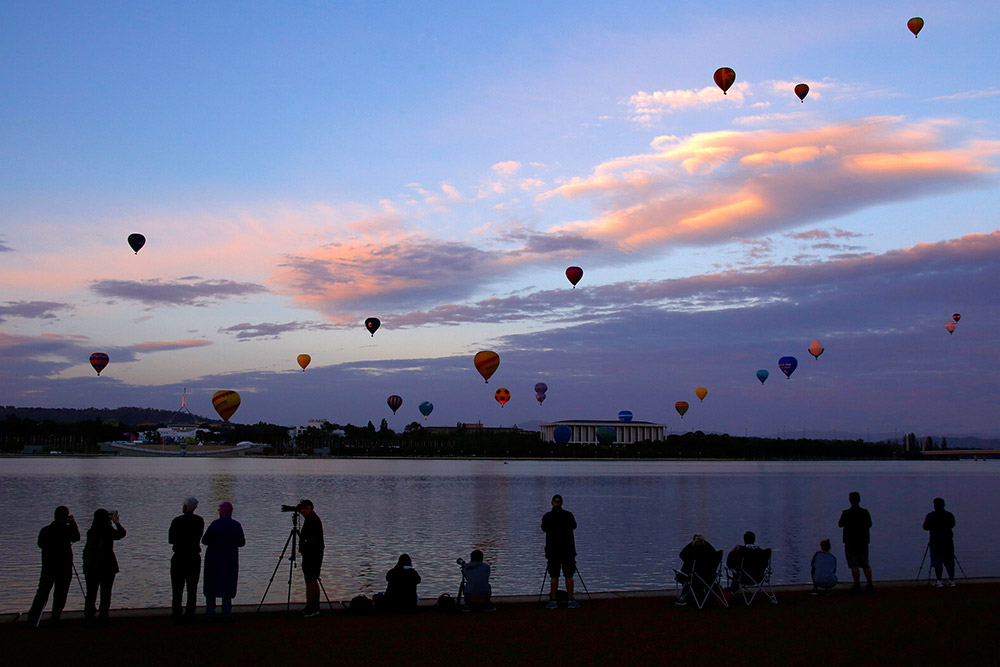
{"x":901,"y":624}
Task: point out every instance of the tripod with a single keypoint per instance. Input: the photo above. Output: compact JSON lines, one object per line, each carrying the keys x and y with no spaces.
{"x":292,"y":540}
{"x":576,"y":572}
{"x":958,"y":563}
{"x":461,"y":586}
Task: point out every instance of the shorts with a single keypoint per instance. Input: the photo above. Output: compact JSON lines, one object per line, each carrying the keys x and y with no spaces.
{"x":857,"y":556}
{"x":311,"y":565}
{"x":945,"y":557}
{"x":567,"y":563}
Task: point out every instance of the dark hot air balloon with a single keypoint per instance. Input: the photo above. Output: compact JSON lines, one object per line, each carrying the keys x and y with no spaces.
{"x":788,"y":366}
{"x":426,"y":408}
{"x":136,"y":241}
{"x":916,"y":24}
{"x":681,"y":407}
{"x":540,"y":397}
{"x":606,"y":435}
{"x":574,"y":273}
{"x":99,"y":361}
{"x":625,"y":416}
{"x":394,"y":402}
{"x":724,"y":78}
{"x":762,"y":375}
{"x":562,"y":434}
{"x":541,"y":387}
{"x":956,"y":316}
{"x":372,"y":324}
{"x":802,"y":90}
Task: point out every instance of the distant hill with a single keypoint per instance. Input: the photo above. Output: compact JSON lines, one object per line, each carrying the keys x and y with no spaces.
{"x":126,"y":415}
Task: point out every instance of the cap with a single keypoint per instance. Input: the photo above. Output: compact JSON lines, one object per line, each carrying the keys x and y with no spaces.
{"x":226,"y":507}
{"x":557,"y":498}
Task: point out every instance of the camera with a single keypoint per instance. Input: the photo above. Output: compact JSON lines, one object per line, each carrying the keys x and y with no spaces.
{"x":460,"y":561}
{"x":289,"y":508}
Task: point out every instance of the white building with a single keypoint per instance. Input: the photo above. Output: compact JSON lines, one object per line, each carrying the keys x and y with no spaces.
{"x":584,"y":431}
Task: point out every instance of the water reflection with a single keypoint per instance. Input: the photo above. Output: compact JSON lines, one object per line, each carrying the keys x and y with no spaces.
{"x":633,"y":517}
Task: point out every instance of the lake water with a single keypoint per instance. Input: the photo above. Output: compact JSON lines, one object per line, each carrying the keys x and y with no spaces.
{"x":633,"y":517}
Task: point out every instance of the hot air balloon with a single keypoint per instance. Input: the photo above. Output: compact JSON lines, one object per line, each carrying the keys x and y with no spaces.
{"x":606,"y":435}
{"x":574,"y":273}
{"x":502,"y":395}
{"x":136,"y":241}
{"x":541,"y":387}
{"x":915,"y":25}
{"x":225,"y":403}
{"x":762,"y":375}
{"x":426,"y":408}
{"x":724,"y":78}
{"x":802,"y":90}
{"x":815,"y":348}
{"x":372,"y":324}
{"x":956,"y":316}
{"x":788,"y":366}
{"x":681,"y":407}
{"x":701,"y":393}
{"x":562,"y":434}
{"x":625,"y":416}
{"x":394,"y":402}
{"x":303,"y":360}
{"x":99,"y":360}
{"x":951,"y":326}
{"x":486,"y":363}
{"x":540,"y":397}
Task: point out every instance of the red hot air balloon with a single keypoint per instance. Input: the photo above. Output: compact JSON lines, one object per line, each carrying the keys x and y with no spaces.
{"x":541,"y":387}
{"x":502,"y":395}
{"x":681,"y":407}
{"x":802,"y":90}
{"x":303,"y":360}
{"x":394,"y":402}
{"x":99,"y":361}
{"x":956,"y":316}
{"x":916,"y":24}
{"x":951,"y":326}
{"x":574,"y":273}
{"x":724,"y":78}
{"x":486,"y":363}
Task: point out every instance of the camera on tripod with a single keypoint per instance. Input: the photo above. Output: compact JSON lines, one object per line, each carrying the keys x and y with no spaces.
{"x":291,"y":508}
{"x":460,"y":561}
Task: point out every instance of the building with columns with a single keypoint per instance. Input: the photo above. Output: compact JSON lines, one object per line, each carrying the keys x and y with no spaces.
{"x":585,"y":431}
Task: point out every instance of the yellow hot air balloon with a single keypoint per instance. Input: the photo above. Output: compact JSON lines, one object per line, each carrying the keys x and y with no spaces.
{"x":486,"y":363}
{"x":815,"y":349}
{"x":701,"y":393}
{"x":303,"y":360}
{"x":226,"y":403}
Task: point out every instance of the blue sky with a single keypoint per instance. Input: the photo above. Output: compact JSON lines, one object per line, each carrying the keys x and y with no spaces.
{"x":298,"y":167}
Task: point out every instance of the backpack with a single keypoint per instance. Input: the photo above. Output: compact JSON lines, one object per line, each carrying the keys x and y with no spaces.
{"x":360,"y":605}
{"x":446,"y":603}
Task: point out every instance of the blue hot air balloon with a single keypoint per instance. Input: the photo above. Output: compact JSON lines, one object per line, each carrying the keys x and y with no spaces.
{"x":426,"y":408}
{"x":562,"y":434}
{"x":606,"y":435}
{"x":788,"y":366}
{"x":762,"y":375}
{"x":625,"y":416}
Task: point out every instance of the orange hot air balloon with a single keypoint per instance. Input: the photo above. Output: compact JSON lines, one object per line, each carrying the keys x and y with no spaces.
{"x":916,"y":24}
{"x":99,"y":361}
{"x":225,"y":403}
{"x":802,"y":90}
{"x":502,"y":395}
{"x":574,"y":273}
{"x":681,"y":407}
{"x":701,"y":393}
{"x":956,"y":316}
{"x":724,"y":78}
{"x":486,"y":363}
{"x":815,"y":349}
{"x":951,"y":326}
{"x":303,"y":360}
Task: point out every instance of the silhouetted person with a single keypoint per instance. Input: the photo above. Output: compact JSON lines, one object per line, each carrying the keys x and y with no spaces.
{"x":857,"y":523}
{"x":939,"y":524}
{"x":697,"y":557}
{"x":560,"y":550}
{"x":401,"y":590}
{"x":477,"y":583}
{"x":223,"y":540}
{"x":738,"y":555}
{"x":823,"y":569}
{"x":311,"y":547}
{"x":185,"y":565}
{"x":56,"y":542}
{"x":100,"y":565}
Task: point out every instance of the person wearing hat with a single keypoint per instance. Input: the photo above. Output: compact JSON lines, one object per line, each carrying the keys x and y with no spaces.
{"x":185,"y":565}
{"x":56,"y":542}
{"x":311,"y":547}
{"x":222,"y":540}
{"x":560,"y":550}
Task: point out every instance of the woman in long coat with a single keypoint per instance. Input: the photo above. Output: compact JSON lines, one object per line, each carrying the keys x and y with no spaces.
{"x":222,"y":540}
{"x":100,"y":565}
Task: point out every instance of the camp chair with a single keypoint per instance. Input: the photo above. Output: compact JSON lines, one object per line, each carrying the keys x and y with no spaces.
{"x":751,"y":575}
{"x":702,"y":582}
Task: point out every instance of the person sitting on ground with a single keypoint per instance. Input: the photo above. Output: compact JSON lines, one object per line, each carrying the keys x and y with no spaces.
{"x":401,"y":591}
{"x":697,"y":557}
{"x":823,"y":569}
{"x":477,"y":583}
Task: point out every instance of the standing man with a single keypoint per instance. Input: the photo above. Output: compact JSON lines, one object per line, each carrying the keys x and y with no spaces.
{"x":185,"y":566}
{"x":222,"y":540}
{"x":311,"y":547}
{"x":939,"y":524}
{"x":857,"y":522}
{"x":560,"y":550}
{"x":56,"y":542}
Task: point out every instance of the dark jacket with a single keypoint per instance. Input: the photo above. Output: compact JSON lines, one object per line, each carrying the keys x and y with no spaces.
{"x":701,"y":557}
{"x":558,"y":525}
{"x":223,"y":540}
{"x":940,"y":523}
{"x":185,"y":534}
{"x":311,"y":536}
{"x":856,"y":522}
{"x":401,"y":590}
{"x":99,"y":552}
{"x":56,"y":540}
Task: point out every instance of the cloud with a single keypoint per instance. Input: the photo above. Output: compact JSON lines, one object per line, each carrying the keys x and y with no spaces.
{"x":967,"y":95}
{"x":646,"y":107}
{"x":31,"y":309}
{"x":4,"y":247}
{"x":271,"y":330}
{"x":186,"y":291}
{"x":169,"y":345}
{"x":508,"y":168}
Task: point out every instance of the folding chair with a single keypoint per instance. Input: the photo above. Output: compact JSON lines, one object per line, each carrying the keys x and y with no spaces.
{"x":752,"y":575}
{"x":702,"y":582}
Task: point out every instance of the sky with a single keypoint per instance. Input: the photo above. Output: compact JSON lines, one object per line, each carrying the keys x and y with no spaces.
{"x":297,"y":167}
